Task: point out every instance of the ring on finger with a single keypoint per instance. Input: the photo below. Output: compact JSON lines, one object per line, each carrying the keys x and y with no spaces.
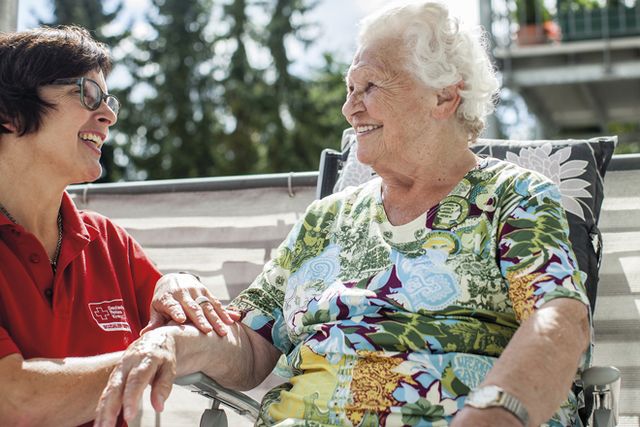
{"x":202,"y":299}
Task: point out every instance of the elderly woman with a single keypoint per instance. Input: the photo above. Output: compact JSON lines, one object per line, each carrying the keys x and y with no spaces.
{"x":75,"y":289}
{"x":443,"y":292}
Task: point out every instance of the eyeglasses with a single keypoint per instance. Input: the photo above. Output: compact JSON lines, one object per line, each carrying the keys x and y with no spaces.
{"x":91,"y":95}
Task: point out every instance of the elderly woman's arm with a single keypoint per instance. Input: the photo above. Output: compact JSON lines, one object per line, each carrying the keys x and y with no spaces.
{"x":538,"y":365}
{"x":240,"y":359}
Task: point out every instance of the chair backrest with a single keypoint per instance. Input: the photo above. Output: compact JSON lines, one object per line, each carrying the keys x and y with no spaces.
{"x":576,"y":166}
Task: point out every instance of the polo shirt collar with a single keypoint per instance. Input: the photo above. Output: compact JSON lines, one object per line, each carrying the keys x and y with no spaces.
{"x":73,"y":224}
{"x":76,"y":233}
{"x":4,"y":221}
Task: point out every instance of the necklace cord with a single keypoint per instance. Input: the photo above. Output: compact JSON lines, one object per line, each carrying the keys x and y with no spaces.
{"x":53,"y":261}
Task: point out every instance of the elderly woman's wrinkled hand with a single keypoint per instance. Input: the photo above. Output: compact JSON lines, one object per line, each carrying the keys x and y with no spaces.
{"x":181,"y":297}
{"x":149,"y":360}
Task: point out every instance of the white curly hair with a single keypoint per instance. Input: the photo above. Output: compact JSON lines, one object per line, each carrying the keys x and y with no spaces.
{"x":441,"y":52}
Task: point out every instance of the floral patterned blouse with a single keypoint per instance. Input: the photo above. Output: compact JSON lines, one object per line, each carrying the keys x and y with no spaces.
{"x":393,"y":325}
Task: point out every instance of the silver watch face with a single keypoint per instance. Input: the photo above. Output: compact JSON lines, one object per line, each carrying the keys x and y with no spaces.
{"x":486,"y":395}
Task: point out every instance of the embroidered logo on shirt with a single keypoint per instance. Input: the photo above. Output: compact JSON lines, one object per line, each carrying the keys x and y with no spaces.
{"x":110,"y":315}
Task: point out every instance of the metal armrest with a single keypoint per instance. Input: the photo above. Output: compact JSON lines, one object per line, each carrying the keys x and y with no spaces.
{"x":204,"y":385}
{"x":604,"y":383}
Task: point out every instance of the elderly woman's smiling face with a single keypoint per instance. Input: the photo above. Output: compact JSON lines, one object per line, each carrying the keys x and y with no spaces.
{"x":387,"y":106}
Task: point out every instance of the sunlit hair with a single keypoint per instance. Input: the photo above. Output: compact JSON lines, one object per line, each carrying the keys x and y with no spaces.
{"x":33,"y":58}
{"x":440,"y":52}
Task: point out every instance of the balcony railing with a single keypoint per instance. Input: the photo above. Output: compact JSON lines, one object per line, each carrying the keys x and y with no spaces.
{"x":530,"y":22}
{"x":597,"y":23}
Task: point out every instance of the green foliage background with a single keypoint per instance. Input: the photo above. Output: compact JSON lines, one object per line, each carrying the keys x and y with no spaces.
{"x":198,"y":104}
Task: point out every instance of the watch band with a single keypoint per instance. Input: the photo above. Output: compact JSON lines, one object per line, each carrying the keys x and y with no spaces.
{"x":513,"y":405}
{"x":494,"y":396}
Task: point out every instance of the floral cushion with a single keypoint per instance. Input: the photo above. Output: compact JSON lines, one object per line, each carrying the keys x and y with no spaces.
{"x":577,"y":167}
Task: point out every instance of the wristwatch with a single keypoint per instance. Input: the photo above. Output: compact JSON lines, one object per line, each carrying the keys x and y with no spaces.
{"x":492,"y":395}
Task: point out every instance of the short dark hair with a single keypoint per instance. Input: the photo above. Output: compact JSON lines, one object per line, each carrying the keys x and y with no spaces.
{"x":30,"y":59}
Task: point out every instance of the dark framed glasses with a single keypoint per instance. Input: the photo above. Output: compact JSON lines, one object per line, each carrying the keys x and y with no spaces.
{"x":91,"y":95}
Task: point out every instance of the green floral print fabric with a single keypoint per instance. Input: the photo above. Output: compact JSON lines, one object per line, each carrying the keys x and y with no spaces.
{"x":384,"y":325}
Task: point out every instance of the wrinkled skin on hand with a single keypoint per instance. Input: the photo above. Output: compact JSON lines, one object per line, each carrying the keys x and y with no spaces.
{"x":149,"y":360}
{"x":174,"y":299}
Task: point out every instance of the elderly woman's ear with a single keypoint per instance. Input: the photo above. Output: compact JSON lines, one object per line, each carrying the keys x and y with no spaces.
{"x":448,"y":101}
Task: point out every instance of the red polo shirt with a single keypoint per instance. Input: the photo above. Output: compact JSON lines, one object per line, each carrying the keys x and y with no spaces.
{"x":96,"y":303}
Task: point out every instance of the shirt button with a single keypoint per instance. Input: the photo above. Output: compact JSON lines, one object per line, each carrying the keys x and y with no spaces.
{"x":48,"y":293}
{"x":34,"y":258}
